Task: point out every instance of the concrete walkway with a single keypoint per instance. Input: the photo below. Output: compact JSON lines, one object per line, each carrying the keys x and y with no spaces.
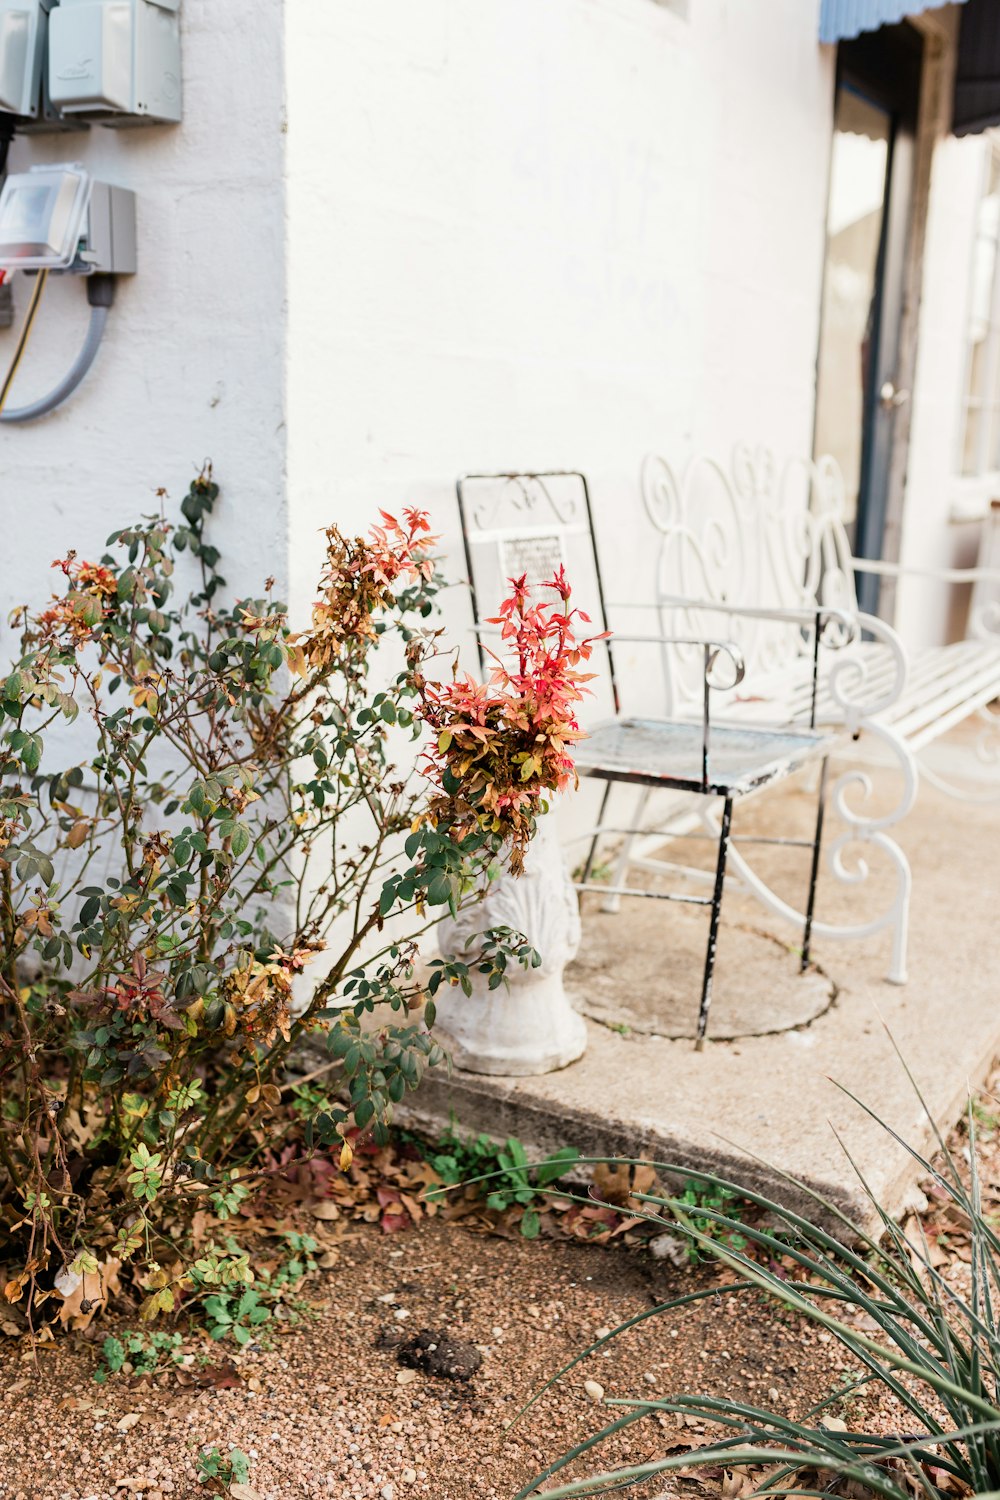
{"x":641,"y":1089}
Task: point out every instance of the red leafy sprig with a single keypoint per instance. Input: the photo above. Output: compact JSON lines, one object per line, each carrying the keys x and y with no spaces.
{"x":503,"y":744}
{"x":357,"y":585}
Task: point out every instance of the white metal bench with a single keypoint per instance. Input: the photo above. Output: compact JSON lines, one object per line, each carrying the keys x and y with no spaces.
{"x":748,"y":549}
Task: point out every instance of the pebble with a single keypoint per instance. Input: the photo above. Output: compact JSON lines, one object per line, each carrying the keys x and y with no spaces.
{"x":670,"y":1248}
{"x":602,"y":1333}
{"x":403,"y":1377}
{"x":594,"y":1390}
{"x":387,"y":1492}
{"x":409,"y":1476}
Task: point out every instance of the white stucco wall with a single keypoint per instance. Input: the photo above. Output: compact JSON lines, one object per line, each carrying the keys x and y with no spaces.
{"x":519,"y":235}
{"x":193,"y":362}
{"x":546,"y":235}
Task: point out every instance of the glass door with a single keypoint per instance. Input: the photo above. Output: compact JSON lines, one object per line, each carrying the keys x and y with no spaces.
{"x":857,"y":395}
{"x":859,"y":178}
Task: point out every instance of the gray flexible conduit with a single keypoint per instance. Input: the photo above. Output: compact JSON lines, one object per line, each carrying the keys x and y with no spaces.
{"x":74,"y":375}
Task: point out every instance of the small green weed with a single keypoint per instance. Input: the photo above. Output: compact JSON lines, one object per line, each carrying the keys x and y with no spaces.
{"x":232,"y":1470}
{"x":508,"y":1179}
{"x":301,"y":1260}
{"x":987,"y":1119}
{"x":309,"y":1100}
{"x":236,"y":1316}
{"x":696,"y":1198}
{"x":234,"y":1301}
{"x":141,"y":1352}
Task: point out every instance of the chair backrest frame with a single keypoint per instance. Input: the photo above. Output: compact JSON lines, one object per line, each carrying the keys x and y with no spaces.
{"x":530,"y":494}
{"x":757,"y":533}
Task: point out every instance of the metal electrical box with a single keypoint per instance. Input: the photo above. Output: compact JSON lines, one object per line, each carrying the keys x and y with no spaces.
{"x":59,"y":219}
{"x":116,"y":61}
{"x":109,"y":242}
{"x":23,"y":25}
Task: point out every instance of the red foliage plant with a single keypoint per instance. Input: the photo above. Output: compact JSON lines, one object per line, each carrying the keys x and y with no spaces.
{"x":502,"y":744}
{"x":358,"y":582}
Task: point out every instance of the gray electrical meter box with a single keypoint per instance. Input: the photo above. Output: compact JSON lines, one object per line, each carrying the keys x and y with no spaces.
{"x":116,"y":61}
{"x":56,"y":218}
{"x":23,"y":25}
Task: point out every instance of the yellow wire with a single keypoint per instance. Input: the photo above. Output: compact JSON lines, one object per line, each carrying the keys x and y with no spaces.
{"x":22,"y":343}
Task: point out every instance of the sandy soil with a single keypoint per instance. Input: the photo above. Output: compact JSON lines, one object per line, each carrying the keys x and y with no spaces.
{"x":325,"y":1407}
{"x":325,"y":1412}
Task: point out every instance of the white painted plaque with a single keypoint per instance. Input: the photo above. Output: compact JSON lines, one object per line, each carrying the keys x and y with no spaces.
{"x":536,"y":556}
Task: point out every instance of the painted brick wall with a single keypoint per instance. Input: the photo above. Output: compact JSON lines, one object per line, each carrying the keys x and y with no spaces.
{"x":193,"y":362}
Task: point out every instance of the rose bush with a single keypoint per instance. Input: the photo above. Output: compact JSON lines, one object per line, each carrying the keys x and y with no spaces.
{"x":235,"y":854}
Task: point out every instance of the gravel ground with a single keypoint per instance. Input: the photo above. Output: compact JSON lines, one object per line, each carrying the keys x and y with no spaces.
{"x":328,"y":1409}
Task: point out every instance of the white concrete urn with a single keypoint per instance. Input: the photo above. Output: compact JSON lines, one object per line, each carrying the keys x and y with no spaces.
{"x":528,"y":1025}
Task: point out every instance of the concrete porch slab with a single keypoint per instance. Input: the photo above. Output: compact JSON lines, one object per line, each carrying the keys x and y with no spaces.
{"x":642,"y":1090}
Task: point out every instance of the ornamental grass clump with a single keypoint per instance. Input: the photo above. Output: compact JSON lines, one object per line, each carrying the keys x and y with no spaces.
{"x":229,"y":846}
{"x":928,"y":1343}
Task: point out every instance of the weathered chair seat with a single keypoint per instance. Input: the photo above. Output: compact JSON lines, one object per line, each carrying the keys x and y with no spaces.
{"x":664,"y":753}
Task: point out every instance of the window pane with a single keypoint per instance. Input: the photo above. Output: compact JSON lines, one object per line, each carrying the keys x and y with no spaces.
{"x":979,"y":438}
{"x":984,"y":265}
{"x":854,"y":232}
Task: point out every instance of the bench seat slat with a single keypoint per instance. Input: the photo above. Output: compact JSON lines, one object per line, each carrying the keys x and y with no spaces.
{"x":943,"y":686}
{"x":988,"y":690}
{"x":965,"y":679}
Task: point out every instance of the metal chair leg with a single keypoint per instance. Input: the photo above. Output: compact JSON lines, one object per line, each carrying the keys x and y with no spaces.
{"x":713,"y":928}
{"x":814,"y":868}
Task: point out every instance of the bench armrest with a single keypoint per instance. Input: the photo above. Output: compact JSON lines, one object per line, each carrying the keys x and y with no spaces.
{"x":847,"y":619}
{"x":940,"y":575}
{"x":848,"y":679}
{"x":713,"y":650}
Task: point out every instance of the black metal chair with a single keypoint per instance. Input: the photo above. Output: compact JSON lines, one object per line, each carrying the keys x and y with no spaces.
{"x":530,"y":523}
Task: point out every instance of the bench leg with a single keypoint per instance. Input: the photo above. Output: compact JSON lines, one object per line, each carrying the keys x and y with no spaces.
{"x":620,"y":876}
{"x":592,"y":851}
{"x":901,"y":930}
{"x":713,"y":928}
{"x":814,"y":866}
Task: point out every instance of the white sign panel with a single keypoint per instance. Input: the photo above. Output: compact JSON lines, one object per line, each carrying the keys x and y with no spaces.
{"x":536,"y":556}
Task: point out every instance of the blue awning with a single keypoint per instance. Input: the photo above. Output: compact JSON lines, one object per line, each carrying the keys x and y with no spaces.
{"x":840,"y":19}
